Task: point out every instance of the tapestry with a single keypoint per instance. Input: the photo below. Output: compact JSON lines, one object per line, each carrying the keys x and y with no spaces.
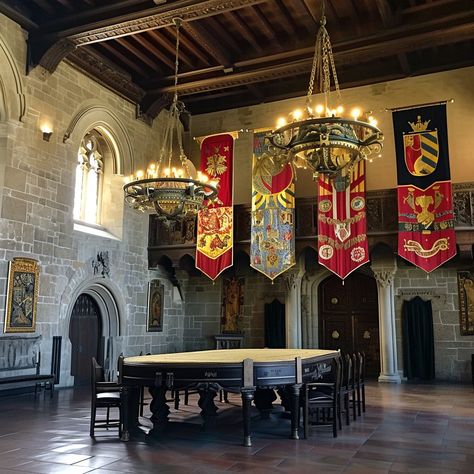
{"x":214,"y":241}
{"x":232,"y":302}
{"x":466,"y":302}
{"x":272,"y":247}
{"x":426,"y":235}
{"x":342,"y":239}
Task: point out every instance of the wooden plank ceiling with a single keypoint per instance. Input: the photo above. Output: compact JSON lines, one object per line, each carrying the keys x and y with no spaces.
{"x":241,"y":52}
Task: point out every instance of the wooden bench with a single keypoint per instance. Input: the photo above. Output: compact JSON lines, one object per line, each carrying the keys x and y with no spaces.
{"x":20,"y":354}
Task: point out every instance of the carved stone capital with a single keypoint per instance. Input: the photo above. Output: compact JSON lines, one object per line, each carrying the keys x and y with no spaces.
{"x":384,"y":275}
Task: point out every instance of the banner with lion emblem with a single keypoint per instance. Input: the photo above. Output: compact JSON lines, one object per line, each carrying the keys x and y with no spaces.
{"x":426,"y":235}
{"x":272,"y":248}
{"x":214,"y":242}
{"x":342,"y":239}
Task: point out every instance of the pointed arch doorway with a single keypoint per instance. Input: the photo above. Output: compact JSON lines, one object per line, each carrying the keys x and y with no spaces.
{"x":85,"y":334}
{"x":348,"y":317}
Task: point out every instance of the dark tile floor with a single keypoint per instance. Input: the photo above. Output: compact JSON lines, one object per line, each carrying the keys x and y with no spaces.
{"x":407,"y":428}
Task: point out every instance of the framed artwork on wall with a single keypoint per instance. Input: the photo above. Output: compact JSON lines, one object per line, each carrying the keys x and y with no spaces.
{"x":466,"y":302}
{"x":156,"y":296}
{"x":22,"y":295}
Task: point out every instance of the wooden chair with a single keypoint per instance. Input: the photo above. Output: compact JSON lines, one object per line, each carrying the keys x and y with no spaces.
{"x":322,"y":402}
{"x":360,"y":381}
{"x":104,"y":395}
{"x":349,"y":387}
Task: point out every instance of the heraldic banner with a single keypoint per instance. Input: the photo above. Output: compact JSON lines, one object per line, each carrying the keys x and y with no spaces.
{"x":426,"y":234}
{"x":342,"y":239}
{"x":214,"y":251}
{"x":272,"y":248}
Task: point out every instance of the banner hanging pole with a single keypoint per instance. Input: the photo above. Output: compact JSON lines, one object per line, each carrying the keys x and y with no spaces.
{"x":416,"y":106}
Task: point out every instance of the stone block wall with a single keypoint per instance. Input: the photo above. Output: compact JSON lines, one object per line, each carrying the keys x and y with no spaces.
{"x":203,"y":309}
{"x":452,"y":351}
{"x":37,"y":181}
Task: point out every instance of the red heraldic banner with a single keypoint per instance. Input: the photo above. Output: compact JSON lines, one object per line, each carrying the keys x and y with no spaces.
{"x":342,"y":239}
{"x":426,"y":235}
{"x":214,"y":251}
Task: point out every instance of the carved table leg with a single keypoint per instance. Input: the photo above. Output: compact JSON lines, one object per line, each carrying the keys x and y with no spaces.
{"x":247,"y":397}
{"x":207,"y":405}
{"x":159,"y":409}
{"x":125,"y":396}
{"x":295,"y":410}
{"x":264,"y":399}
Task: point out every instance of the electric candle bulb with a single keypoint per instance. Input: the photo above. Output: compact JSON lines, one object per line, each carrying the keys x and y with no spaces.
{"x":281,"y":122}
{"x":355,"y":113}
{"x":140,"y":174}
{"x":319,"y":109}
{"x":297,"y":114}
{"x":340,"y":109}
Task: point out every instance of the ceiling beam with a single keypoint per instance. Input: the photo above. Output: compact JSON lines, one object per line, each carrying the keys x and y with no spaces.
{"x":349,"y":55}
{"x":203,"y":38}
{"x":43,"y":40}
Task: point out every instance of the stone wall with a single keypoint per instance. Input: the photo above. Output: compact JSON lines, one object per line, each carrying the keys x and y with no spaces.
{"x":203,"y":309}
{"x":452,"y":351}
{"x":37,"y":193}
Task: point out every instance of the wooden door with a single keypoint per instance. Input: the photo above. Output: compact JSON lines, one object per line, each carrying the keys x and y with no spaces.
{"x":348,"y":317}
{"x":85,"y":334}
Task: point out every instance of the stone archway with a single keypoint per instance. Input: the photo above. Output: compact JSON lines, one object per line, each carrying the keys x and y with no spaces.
{"x":111,"y":305}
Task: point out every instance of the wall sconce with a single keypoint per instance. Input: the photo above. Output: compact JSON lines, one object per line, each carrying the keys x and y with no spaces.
{"x":47,"y":132}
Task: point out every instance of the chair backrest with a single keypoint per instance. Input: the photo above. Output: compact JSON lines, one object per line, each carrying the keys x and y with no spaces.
{"x":361,"y":357}
{"x":347,"y":377}
{"x":97,"y":375}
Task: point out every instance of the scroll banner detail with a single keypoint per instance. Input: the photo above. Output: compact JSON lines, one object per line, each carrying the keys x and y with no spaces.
{"x":342,"y":239}
{"x":272,"y":248}
{"x":426,"y":235}
{"x":214,"y":243}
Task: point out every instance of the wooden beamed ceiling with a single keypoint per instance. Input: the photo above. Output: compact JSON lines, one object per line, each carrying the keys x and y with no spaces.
{"x":241,"y":52}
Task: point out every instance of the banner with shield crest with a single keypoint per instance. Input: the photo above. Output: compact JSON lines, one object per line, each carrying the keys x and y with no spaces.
{"x":426,"y":235}
{"x":214,"y":242}
{"x":272,"y":249}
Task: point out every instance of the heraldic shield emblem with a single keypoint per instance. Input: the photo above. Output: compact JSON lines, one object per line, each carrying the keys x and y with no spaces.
{"x":421,"y":149}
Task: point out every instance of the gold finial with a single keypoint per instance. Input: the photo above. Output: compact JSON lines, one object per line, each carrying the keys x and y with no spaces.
{"x":419,"y":126}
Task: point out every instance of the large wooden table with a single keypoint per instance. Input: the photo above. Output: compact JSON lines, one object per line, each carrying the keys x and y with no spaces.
{"x":254,"y":373}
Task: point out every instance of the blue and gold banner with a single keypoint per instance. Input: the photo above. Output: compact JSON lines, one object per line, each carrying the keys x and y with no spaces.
{"x":272,"y":249}
{"x":426,"y":235}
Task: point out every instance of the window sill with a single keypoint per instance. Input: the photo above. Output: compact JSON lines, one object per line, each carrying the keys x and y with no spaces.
{"x":92,"y":229}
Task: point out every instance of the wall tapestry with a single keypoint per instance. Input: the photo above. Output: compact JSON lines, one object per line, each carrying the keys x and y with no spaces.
{"x":22,"y":295}
{"x":466,"y":302}
{"x":232,"y":302}
{"x":156,"y":296}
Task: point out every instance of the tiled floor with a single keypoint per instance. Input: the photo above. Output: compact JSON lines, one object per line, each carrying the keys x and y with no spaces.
{"x":407,"y":428}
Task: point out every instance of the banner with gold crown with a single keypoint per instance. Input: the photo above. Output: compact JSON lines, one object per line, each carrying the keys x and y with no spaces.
{"x":214,"y":241}
{"x":342,"y":239}
{"x":426,"y":235}
{"x":272,"y":248}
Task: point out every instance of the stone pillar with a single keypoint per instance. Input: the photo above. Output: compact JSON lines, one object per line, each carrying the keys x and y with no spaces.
{"x":384,"y":274}
{"x":293,"y":278}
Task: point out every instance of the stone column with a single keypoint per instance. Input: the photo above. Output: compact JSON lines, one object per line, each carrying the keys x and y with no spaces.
{"x":293,"y":279}
{"x":384,"y":274}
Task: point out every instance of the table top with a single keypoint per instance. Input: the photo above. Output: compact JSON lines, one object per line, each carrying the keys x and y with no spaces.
{"x":230,"y":356}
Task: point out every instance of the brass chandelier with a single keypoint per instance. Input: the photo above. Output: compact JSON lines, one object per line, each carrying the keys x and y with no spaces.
{"x":321,"y":138}
{"x":170,"y":187}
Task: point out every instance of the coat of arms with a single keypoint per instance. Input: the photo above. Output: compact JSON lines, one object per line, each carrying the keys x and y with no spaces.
{"x":421,"y":148}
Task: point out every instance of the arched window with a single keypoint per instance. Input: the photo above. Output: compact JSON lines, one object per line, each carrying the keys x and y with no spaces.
{"x":89,"y":178}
